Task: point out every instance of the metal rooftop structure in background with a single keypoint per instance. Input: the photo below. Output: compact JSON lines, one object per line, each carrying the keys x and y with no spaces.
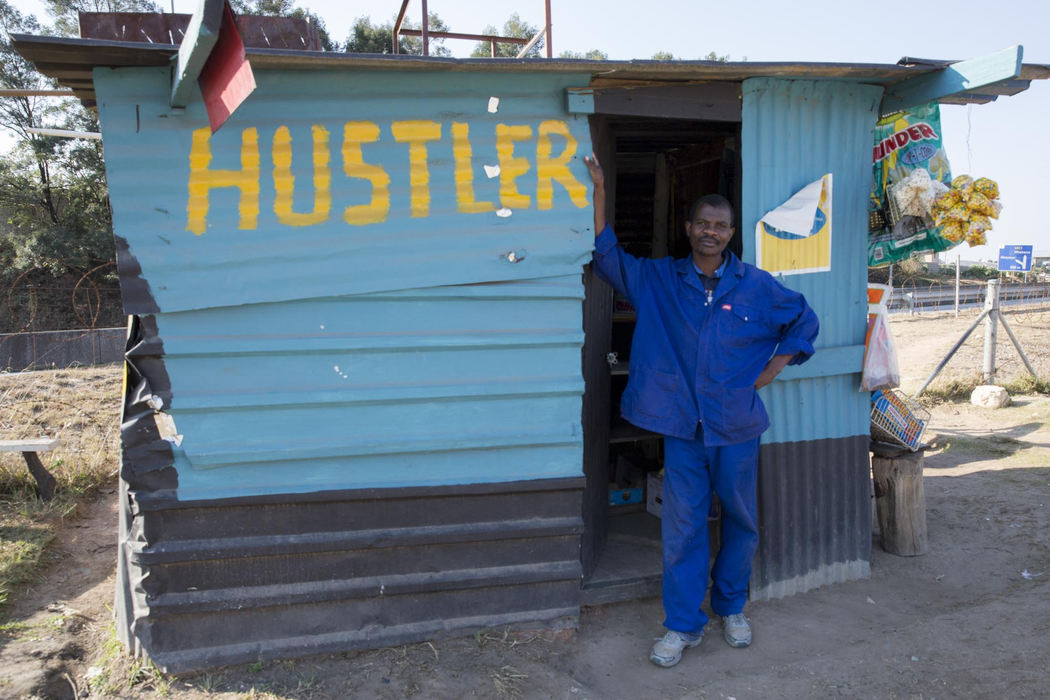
{"x":425,"y":33}
{"x":169,"y":29}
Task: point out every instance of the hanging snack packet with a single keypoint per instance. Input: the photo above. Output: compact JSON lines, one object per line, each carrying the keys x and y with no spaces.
{"x":905,"y":142}
{"x":964,"y":212}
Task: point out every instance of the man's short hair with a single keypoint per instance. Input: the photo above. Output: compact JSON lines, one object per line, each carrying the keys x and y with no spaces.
{"x":713,"y":200}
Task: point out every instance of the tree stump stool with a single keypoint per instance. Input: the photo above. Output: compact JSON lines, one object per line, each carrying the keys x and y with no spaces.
{"x":900,"y":500}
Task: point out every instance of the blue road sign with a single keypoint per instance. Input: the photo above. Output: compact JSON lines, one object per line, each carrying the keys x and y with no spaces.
{"x":1015,"y":258}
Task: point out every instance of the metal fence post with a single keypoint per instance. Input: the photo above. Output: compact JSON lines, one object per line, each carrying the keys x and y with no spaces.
{"x":958,"y":264}
{"x":991,"y":327}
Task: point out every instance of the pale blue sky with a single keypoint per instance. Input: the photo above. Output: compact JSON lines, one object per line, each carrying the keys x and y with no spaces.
{"x":1008,"y":140}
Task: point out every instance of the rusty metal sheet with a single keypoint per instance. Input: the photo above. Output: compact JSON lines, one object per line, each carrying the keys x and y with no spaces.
{"x":168,"y":29}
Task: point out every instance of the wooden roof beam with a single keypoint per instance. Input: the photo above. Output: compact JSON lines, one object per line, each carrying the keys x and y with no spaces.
{"x":962,"y":77}
{"x":196,"y":46}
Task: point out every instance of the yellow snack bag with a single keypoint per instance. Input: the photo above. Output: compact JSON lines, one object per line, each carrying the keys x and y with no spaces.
{"x":976,"y":228}
{"x":979,"y":221}
{"x":989,"y":188}
{"x":980,"y":204}
{"x":958,"y":212}
{"x":955,"y":231}
{"x":947,"y":200}
{"x":977,"y":238}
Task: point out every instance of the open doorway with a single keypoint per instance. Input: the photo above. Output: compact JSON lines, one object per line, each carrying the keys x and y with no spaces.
{"x":654,"y":169}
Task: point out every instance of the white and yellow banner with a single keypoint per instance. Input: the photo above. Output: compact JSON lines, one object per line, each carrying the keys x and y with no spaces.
{"x":795,"y":237}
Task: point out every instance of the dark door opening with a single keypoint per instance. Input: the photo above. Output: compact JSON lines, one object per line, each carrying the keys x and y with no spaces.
{"x":654,"y":169}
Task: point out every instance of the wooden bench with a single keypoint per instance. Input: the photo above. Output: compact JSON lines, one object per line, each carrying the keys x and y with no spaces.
{"x":45,"y":482}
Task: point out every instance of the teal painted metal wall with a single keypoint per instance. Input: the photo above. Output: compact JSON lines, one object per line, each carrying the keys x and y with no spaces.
{"x":794,"y":132}
{"x":313,"y":346}
{"x":814,"y":476}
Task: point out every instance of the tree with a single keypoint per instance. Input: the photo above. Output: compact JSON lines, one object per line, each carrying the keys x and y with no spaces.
{"x":513,"y":27}
{"x":592,"y":55}
{"x":65,"y":12}
{"x":53,"y":196}
{"x":273,"y":8}
{"x":19,"y":114}
{"x":712,"y":56}
{"x":366,"y":37}
{"x":286,"y":8}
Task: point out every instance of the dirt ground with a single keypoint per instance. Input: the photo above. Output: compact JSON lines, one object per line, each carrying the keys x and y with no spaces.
{"x":970,"y":618}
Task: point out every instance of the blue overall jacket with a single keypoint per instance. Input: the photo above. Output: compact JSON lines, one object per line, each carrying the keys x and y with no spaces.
{"x":696,"y":361}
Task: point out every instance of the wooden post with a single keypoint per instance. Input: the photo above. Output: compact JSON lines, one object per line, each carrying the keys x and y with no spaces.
{"x":661,"y":203}
{"x":991,"y":326}
{"x":900,"y":501}
{"x":44,"y":481}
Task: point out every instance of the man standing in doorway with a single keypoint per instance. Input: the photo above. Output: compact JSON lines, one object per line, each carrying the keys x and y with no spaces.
{"x":710,"y":331}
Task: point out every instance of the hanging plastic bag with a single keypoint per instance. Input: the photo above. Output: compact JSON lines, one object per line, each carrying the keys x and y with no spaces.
{"x":880,"y":358}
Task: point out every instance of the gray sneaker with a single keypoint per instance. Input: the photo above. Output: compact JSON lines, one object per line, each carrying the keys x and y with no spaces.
{"x":668,"y":651}
{"x":736,"y":630}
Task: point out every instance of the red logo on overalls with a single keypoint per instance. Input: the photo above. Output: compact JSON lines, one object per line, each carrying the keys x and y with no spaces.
{"x":727,"y":307}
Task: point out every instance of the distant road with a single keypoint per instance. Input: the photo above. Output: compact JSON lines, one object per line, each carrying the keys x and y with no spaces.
{"x":942,"y":297}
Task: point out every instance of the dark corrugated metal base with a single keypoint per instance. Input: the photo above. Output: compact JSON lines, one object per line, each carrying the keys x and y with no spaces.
{"x":814,"y":504}
{"x":220,"y":582}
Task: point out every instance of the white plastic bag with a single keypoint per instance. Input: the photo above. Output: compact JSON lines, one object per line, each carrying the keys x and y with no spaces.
{"x":880,"y":358}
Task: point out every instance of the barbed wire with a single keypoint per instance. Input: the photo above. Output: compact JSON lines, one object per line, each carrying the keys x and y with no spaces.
{"x":56,"y":325}
{"x":927,"y":298}
{"x":84,"y":305}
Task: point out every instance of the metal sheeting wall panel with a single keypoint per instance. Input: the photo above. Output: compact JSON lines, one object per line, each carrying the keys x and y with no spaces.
{"x":343,"y":340}
{"x":827,"y":406}
{"x":238,"y":580}
{"x":425,"y":387}
{"x":814,"y":473}
{"x":814,"y":523}
{"x":794,"y":132}
{"x":327,"y":183}
{"x":353,"y":414}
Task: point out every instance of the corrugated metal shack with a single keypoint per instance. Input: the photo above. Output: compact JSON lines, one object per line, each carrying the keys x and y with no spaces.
{"x":356,"y":412}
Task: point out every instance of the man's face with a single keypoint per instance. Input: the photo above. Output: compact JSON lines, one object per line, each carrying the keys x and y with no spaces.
{"x":710,"y":230}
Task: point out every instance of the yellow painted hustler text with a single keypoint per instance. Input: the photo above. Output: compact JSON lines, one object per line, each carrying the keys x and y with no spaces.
{"x":530,"y":157}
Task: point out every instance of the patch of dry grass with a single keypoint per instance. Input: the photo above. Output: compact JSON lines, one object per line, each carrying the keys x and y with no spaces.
{"x":1027,"y":385}
{"x":81,"y":407}
{"x":951,"y":386}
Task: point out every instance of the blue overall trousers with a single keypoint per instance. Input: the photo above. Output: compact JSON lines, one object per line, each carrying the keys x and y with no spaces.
{"x":692,"y":472}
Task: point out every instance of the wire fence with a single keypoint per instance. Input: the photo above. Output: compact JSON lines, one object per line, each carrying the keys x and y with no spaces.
{"x":38,"y":311}
{"x":61,"y":349}
{"x":36,"y":300}
{"x":918,"y":299}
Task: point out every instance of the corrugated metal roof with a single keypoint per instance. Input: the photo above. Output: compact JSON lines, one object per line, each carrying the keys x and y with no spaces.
{"x":71,"y":61}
